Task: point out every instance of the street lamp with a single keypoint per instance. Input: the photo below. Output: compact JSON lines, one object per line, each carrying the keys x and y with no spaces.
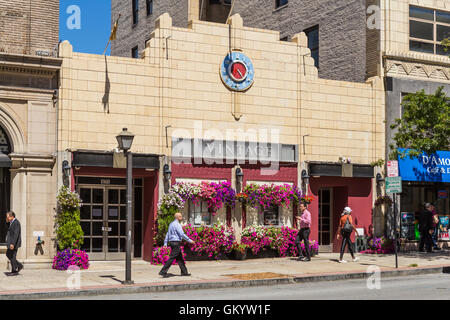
{"x":305,"y":181}
{"x":125,"y":140}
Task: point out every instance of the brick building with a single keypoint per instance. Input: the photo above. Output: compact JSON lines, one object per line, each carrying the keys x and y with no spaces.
{"x":336,"y":29}
{"x":29,"y":73}
{"x":29,"y":27}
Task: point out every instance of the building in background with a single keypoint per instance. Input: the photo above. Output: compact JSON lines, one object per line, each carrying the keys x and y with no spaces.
{"x":413,"y":60}
{"x":179,"y":97}
{"x":336,"y":30}
{"x":29,"y":73}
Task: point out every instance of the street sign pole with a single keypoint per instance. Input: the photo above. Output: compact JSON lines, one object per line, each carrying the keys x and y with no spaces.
{"x":395,"y":230}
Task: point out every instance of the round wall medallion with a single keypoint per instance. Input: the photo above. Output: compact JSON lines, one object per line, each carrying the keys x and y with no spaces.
{"x":237,"y":72}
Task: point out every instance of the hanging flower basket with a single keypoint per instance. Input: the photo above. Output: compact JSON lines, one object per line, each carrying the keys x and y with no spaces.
{"x":383,"y":200}
{"x":264,"y":196}
{"x":307,"y":199}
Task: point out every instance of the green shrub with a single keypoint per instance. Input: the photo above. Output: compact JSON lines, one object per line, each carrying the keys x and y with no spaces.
{"x":69,"y":234}
{"x":165,"y":217}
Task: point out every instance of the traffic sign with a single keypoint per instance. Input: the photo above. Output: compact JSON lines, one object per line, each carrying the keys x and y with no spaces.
{"x":393,"y":184}
{"x":392,"y":168}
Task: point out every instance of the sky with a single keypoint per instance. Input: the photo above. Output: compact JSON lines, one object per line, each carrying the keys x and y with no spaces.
{"x":86,"y":24}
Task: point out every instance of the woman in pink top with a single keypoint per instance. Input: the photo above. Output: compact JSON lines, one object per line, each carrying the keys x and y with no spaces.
{"x":303,"y":234}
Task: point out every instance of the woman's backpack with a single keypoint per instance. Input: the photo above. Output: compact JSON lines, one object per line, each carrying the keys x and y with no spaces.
{"x":348,"y":228}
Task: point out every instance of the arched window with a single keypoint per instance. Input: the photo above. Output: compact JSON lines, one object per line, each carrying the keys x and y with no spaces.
{"x":5,"y":146}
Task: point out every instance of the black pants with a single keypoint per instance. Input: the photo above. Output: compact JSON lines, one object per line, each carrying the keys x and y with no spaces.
{"x":346,"y":240}
{"x":303,"y":234}
{"x":175,"y":254}
{"x":11,"y":254}
{"x":425,"y":240}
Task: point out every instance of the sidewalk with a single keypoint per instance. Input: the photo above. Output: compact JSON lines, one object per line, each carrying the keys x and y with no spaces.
{"x":106,"y":277}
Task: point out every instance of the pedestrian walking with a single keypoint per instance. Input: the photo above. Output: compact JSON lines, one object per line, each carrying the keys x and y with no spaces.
{"x":304,"y":221}
{"x":426,"y":228}
{"x":13,"y":243}
{"x":434,"y":236}
{"x":174,"y":236}
{"x":345,"y":230}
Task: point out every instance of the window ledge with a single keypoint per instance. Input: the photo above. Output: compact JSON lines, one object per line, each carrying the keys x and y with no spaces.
{"x":280,"y":8}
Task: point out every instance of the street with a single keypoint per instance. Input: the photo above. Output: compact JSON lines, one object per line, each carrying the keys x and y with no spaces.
{"x":421,"y":287}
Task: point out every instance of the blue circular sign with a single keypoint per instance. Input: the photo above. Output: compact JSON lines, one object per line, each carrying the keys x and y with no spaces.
{"x":237,"y":72}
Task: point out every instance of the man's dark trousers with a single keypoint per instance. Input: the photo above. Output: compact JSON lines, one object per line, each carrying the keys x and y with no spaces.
{"x":175,"y":254}
{"x":303,"y":234}
{"x":12,"y":254}
{"x":425,"y":240}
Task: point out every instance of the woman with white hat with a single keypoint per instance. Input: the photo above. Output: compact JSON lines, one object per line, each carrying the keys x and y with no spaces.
{"x":345,"y":229}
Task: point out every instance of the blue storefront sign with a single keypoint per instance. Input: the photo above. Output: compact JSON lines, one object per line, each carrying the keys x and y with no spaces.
{"x":431,"y":168}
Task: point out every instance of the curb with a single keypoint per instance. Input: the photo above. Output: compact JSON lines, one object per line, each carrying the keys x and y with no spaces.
{"x":149,"y":288}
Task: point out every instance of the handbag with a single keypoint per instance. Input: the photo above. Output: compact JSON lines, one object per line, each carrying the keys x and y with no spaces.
{"x":348,"y":228}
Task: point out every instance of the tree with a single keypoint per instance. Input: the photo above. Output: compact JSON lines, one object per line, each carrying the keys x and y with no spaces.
{"x":425,"y":125}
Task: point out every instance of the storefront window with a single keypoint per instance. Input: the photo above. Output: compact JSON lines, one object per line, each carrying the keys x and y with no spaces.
{"x":199,"y":214}
{"x":271,"y":216}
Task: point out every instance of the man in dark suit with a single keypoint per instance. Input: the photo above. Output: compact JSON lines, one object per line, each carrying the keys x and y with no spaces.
{"x":13,"y":243}
{"x":426,"y":228}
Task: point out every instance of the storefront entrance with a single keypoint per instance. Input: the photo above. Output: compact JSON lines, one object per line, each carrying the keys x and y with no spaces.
{"x":103,"y":218}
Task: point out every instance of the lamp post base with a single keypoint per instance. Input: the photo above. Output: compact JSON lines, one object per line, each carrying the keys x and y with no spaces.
{"x":128,"y":282}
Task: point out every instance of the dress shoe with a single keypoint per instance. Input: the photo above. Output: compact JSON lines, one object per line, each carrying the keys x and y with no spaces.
{"x":19,"y":268}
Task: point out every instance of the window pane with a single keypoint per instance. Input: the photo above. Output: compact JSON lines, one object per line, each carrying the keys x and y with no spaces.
{"x":421,"y":30}
{"x":86,"y":227}
{"x":97,"y":195}
{"x":442,"y":16}
{"x":442,"y":32}
{"x":97,"y":245}
{"x":85,"y":195}
{"x":271,"y":216}
{"x":113,"y":245}
{"x":281,"y":3}
{"x":97,"y":228}
{"x":313,"y":38}
{"x":137,"y":204}
{"x":85,"y":212}
{"x":86,"y":246}
{"x":137,"y":239}
{"x":440,"y":50}
{"x":421,"y":47}
{"x":97,"y":213}
{"x":421,"y":13}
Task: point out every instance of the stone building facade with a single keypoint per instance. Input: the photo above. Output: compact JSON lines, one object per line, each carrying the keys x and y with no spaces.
{"x":174,"y":94}
{"x":28,"y":122}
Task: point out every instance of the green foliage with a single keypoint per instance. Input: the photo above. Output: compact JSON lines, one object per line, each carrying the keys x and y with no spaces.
{"x":165,"y":217}
{"x":425,"y":125}
{"x":378,"y":163}
{"x":69,"y":234}
{"x":446,"y":44}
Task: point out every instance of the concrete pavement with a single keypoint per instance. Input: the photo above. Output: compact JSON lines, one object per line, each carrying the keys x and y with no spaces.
{"x":106,"y":277}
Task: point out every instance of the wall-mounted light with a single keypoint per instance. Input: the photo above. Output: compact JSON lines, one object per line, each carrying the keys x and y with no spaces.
{"x":167,"y":175}
{"x":305,"y":177}
{"x":167,"y":172}
{"x":66,"y":172}
{"x":239,"y":179}
{"x":379,"y":178}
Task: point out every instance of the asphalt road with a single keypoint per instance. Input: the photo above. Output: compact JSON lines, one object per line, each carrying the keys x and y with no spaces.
{"x":421,"y":287}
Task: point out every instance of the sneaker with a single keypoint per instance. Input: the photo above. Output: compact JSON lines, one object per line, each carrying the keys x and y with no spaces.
{"x":342,"y":261}
{"x":300,"y":258}
{"x":355,"y":259}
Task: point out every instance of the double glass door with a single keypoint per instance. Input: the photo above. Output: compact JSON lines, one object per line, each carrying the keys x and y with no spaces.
{"x":103,"y":220}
